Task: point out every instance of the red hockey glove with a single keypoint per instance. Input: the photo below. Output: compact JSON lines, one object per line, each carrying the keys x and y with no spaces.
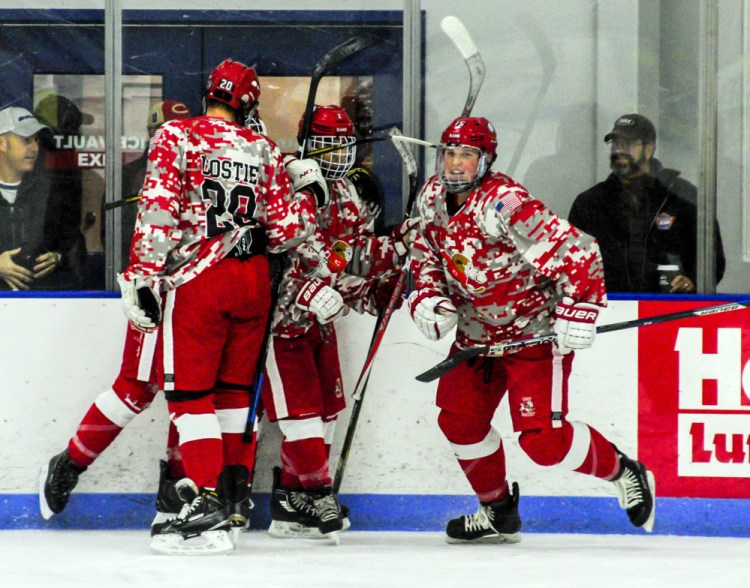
{"x":575,"y":324}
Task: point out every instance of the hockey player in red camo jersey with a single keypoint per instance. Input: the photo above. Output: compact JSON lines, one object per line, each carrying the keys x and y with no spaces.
{"x":303,"y":391}
{"x":497,"y":263}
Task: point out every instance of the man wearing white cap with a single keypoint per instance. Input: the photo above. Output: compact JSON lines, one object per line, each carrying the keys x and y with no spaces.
{"x":30,"y":246}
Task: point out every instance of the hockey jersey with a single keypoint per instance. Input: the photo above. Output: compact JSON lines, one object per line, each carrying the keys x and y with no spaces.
{"x":343,"y":251}
{"x":208,"y":182}
{"x":504,"y":259}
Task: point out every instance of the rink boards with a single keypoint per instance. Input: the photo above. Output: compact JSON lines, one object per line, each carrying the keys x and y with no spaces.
{"x":674,"y":394}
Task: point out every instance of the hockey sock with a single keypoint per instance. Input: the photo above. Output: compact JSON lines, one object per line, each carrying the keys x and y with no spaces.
{"x":175,"y":468}
{"x":601,"y":460}
{"x":289,"y":478}
{"x":308,"y":457}
{"x":101,"y":425}
{"x":487,"y":476}
{"x":200,"y":439}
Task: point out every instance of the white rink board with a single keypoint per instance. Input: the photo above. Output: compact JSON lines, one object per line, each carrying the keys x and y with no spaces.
{"x":59,"y":354}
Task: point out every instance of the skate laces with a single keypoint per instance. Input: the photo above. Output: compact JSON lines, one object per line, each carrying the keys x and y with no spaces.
{"x":64,"y":477}
{"x":629,"y":488}
{"x":327,"y":508}
{"x":301,"y":502}
{"x":479,"y":521}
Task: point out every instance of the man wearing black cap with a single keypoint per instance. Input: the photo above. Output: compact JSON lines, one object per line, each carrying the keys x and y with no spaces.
{"x":643,"y":216}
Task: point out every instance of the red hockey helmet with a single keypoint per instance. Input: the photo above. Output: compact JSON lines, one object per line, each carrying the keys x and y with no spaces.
{"x":472,"y":132}
{"x":330,"y":125}
{"x":236,"y":85}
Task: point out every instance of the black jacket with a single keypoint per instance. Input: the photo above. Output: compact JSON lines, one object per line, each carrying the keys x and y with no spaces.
{"x":38,"y":221}
{"x":639,"y":227}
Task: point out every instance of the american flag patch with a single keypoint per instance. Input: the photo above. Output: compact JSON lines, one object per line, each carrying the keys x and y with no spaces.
{"x":508,"y":204}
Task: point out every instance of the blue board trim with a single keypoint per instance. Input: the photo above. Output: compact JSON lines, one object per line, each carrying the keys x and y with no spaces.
{"x":410,"y":512}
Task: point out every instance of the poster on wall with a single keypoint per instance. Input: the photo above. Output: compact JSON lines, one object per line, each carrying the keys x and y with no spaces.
{"x":694,"y":402}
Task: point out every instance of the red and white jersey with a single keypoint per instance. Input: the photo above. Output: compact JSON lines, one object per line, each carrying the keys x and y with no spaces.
{"x":344,"y":241}
{"x":208,"y":182}
{"x":504,"y":259}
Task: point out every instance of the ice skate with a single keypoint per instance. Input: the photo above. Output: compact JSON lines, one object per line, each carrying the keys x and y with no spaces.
{"x":636,"y":490}
{"x":328,"y":511}
{"x":168,"y":502}
{"x":236,"y":493}
{"x":56,"y":481}
{"x":201,"y":528}
{"x":293,"y":513}
{"x":496,"y":522}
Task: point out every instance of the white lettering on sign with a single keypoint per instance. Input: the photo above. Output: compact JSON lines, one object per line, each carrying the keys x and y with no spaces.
{"x":713,"y":423}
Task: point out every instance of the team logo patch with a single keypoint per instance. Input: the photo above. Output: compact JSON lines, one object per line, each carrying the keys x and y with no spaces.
{"x":664,"y":221}
{"x":460,"y":268}
{"x":527,"y":407}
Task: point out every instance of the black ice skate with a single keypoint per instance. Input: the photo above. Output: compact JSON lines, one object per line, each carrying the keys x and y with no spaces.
{"x":293,"y":512}
{"x":201,"y":528}
{"x":168,"y":502}
{"x":56,"y":481}
{"x":496,"y":522}
{"x":636,"y":490}
{"x":233,"y":487}
{"x":329,"y":513}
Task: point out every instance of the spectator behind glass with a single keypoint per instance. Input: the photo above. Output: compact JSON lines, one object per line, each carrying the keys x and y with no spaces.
{"x":33,"y":246}
{"x":59,"y":158}
{"x":643,"y":217}
{"x":134,"y":172}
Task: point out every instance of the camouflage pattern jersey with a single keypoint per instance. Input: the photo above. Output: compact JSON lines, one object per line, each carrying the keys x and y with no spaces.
{"x":504,"y":259}
{"x":345,"y":231}
{"x":208,"y":182}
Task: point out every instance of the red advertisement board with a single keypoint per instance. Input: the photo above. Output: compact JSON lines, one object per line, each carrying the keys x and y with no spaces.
{"x":694,"y":401}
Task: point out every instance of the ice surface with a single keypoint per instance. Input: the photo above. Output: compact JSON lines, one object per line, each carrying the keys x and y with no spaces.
{"x":113,"y":559}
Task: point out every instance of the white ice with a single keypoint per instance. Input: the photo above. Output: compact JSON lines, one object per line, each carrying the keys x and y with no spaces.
{"x":114,"y":559}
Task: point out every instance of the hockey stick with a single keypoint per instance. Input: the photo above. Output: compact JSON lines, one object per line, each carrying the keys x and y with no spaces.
{"x":547,"y":56}
{"x":395,"y":138}
{"x":334,"y":56}
{"x":278,"y":264}
{"x":461,"y":38}
{"x":382,"y":323}
{"x":452,"y":361}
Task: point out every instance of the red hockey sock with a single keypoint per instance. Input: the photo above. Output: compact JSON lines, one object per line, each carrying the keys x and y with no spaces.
{"x":601,"y":460}
{"x":308,"y":458}
{"x":175,"y":468}
{"x":487,"y":476}
{"x":200,"y":439}
{"x":94,"y":434}
{"x":289,"y":478}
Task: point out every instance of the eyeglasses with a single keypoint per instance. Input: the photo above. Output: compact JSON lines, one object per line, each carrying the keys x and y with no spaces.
{"x":622,"y":143}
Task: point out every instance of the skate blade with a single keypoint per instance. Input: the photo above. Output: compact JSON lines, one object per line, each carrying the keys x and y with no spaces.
{"x":44,"y":508}
{"x":334,"y":537}
{"x":488,"y":539}
{"x":287,"y":530}
{"x":648,"y":526}
{"x":208,"y":543}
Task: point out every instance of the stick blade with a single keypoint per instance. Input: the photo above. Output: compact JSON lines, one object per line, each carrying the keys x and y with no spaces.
{"x":461,"y":38}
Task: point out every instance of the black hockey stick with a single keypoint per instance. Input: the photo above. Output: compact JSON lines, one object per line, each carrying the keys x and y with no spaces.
{"x":547,"y":56}
{"x":277,"y":263}
{"x":382,"y":323}
{"x":461,"y":38}
{"x":499,"y":348}
{"x":334,"y":56}
{"x":394,"y":138}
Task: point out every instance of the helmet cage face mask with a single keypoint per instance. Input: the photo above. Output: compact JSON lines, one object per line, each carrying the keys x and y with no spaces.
{"x":255,"y":123}
{"x":459,"y":184}
{"x":334,"y":165}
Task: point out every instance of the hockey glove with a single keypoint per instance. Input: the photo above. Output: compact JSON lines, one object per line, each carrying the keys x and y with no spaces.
{"x":368,"y":190}
{"x":404,"y":235}
{"x":306,"y":174}
{"x":321,"y":300}
{"x":575,"y":324}
{"x":141,"y":303}
{"x":433,"y":315}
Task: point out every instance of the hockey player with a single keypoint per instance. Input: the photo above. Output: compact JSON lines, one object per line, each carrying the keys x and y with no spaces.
{"x":495,"y":261}
{"x":216,"y":197}
{"x":304,"y":391}
{"x":132,"y":392}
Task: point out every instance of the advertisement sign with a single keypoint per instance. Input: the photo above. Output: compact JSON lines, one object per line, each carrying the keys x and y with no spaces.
{"x":694,"y":401}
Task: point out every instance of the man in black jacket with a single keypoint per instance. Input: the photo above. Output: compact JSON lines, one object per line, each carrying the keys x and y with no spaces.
{"x":643,"y":216}
{"x":33,"y":244}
